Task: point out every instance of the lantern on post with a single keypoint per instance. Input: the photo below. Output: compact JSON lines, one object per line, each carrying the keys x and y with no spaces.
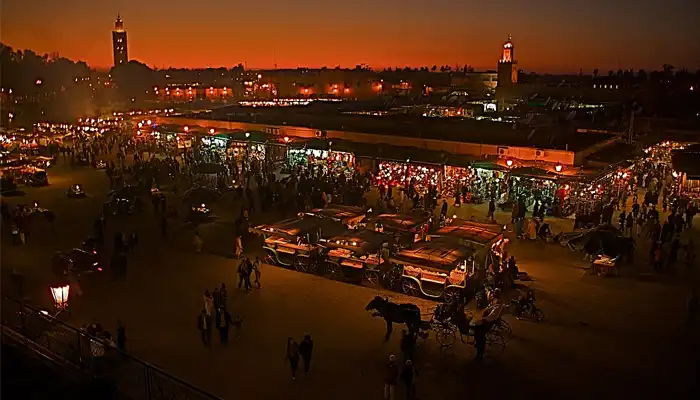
{"x":60,"y":293}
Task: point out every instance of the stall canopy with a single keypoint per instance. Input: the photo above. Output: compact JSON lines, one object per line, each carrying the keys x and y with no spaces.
{"x":362,"y":241}
{"x":474,"y":232}
{"x":487,"y":164}
{"x":533,"y":172}
{"x":441,"y":255}
{"x":291,"y":229}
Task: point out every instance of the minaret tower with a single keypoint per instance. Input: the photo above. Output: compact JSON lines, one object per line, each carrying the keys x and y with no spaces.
{"x":119,"y":47}
{"x":507,"y":65}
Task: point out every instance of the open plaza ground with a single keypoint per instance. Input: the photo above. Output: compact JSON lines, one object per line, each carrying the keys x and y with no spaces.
{"x":602,"y":337}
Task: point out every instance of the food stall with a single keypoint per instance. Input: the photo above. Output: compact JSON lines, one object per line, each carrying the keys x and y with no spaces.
{"x":408,"y":228}
{"x":485,"y":241}
{"x":436,"y":269}
{"x":356,"y":256}
{"x":294,"y":243}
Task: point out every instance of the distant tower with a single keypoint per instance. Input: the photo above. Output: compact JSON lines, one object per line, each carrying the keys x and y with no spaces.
{"x":119,"y":43}
{"x":507,"y":65}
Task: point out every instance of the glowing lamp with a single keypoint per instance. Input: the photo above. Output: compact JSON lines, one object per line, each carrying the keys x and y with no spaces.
{"x":286,"y":139}
{"x":509,"y":162}
{"x":675,"y":174}
{"x":558,"y":167}
{"x":454,"y":216}
{"x":60,"y":295}
{"x":186,"y":128}
{"x":211,"y":131}
{"x":247,"y":134}
{"x":38,"y":82}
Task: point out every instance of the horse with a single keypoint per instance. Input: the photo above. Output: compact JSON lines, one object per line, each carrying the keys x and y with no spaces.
{"x":406,"y":313}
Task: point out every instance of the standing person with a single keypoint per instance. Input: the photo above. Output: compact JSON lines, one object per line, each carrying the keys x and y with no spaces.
{"x":242,"y":267}
{"x":256,"y":269}
{"x":208,"y":303}
{"x":238,"y":246}
{"x":629,"y":224}
{"x":204,"y":326}
{"x":292,"y":356}
{"x":223,"y":323}
{"x":390,"y":379}
{"x":408,"y":375}
{"x":491,"y":215}
{"x":305,"y":349}
{"x":121,"y":336}
{"x":248,"y":272}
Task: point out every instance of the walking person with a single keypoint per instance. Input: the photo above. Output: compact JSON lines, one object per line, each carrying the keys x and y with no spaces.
{"x":391,"y":378}
{"x":408,"y":375}
{"x":629,"y":224}
{"x":223,"y":323}
{"x":292,"y":356}
{"x":204,"y":326}
{"x":305,"y":349}
{"x":256,"y":269}
{"x":491,"y":215}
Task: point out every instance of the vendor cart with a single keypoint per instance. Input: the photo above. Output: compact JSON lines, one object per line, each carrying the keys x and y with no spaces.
{"x":436,"y":269}
{"x":294,"y":243}
{"x":356,"y":256}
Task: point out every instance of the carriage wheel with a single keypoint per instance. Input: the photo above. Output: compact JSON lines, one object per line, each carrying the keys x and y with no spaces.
{"x":332,"y":270}
{"x":539,"y":315}
{"x":301,"y":264}
{"x":504,"y":327}
{"x":495,"y":344}
{"x":451,"y":294}
{"x":444,"y":335}
{"x":270,"y":258}
{"x":409,"y":286}
{"x":371,"y":278}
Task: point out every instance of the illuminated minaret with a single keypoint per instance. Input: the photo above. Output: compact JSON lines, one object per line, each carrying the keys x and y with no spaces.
{"x":507,"y":65}
{"x":119,"y":43}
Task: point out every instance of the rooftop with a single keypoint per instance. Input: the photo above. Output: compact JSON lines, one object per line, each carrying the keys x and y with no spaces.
{"x":328,"y":117}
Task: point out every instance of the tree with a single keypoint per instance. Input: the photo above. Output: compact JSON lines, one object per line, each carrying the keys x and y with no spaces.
{"x":595,"y":73}
{"x":434,"y":68}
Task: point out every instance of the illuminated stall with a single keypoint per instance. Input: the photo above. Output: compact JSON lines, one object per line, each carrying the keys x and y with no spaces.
{"x":531,"y":184}
{"x":321,"y":156}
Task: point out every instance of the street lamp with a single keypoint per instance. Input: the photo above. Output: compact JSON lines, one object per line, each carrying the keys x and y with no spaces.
{"x":286,"y":139}
{"x":60,"y":295}
{"x":211,"y":131}
{"x":187,"y":128}
{"x":558,"y":167}
{"x":247,"y":135}
{"x":509,"y":162}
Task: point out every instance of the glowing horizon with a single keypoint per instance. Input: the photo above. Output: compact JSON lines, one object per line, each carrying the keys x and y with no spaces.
{"x":551,"y":37}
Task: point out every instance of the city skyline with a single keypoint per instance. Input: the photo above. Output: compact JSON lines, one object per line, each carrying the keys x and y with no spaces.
{"x":604,"y":36}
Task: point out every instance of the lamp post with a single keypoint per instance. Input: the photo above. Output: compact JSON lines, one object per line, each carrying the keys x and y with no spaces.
{"x":60,"y":292}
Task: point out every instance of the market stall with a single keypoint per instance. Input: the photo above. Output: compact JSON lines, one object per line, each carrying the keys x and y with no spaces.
{"x":321,"y":157}
{"x":532,"y":184}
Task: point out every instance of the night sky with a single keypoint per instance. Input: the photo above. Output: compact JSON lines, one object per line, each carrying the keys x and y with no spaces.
{"x":549,"y":35}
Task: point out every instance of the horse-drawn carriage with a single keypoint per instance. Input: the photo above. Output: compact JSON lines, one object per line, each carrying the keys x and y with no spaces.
{"x":357,"y":256}
{"x":294,"y":243}
{"x":447,"y":321}
{"x":437,"y":269}
{"x":407,"y":228}
{"x":485,"y":241}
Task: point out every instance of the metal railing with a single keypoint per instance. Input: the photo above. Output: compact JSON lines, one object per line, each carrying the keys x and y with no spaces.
{"x":77,"y":350}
